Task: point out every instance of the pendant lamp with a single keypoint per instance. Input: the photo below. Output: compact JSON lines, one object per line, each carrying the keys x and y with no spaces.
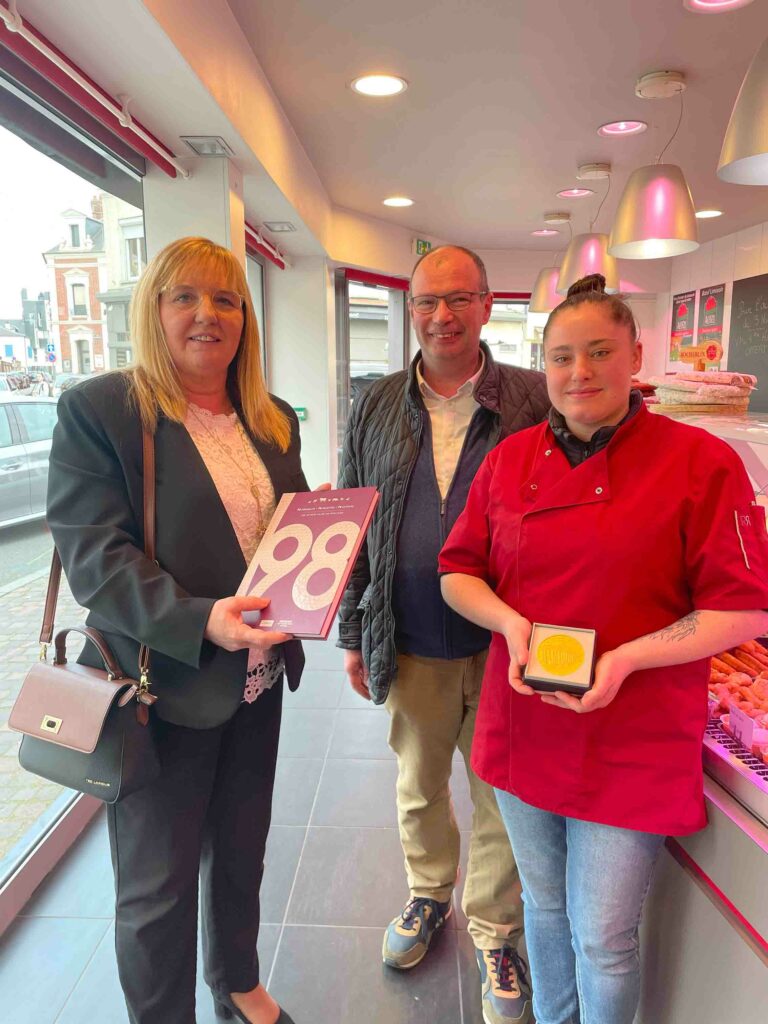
{"x":744,"y":156}
{"x":587,"y":254}
{"x":655,"y":217}
{"x":544,"y":296}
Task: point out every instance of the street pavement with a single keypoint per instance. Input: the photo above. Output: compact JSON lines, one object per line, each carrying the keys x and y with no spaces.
{"x":24,"y":797}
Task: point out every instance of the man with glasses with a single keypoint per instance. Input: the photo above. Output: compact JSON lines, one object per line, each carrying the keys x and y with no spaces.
{"x":419,"y":436}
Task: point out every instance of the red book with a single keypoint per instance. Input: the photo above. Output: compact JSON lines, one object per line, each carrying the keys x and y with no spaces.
{"x":305,"y":557}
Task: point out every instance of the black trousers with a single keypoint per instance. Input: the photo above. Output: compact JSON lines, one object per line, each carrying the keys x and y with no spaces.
{"x":207,"y":815}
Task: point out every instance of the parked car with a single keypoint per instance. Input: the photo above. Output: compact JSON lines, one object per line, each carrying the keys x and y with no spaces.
{"x":15,"y":380}
{"x":64,"y":381}
{"x":360,"y":383}
{"x":26,"y":427}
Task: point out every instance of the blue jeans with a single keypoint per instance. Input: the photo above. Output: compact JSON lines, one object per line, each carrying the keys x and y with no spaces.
{"x":584,"y":885}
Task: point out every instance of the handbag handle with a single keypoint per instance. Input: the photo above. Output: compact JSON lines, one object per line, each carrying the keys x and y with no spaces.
{"x":96,"y":639}
{"x":54,"y":581}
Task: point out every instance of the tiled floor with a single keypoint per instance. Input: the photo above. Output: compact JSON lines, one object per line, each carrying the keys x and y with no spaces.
{"x":334,"y":878}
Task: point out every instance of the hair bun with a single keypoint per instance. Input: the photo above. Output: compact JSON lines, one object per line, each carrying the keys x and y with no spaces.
{"x":590,"y":283}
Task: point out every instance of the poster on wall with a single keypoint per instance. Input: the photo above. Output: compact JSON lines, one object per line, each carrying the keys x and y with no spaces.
{"x":681,"y":336}
{"x":710,"y":327}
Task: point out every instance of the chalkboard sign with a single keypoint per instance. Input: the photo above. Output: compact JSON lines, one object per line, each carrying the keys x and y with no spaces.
{"x":748,"y":340}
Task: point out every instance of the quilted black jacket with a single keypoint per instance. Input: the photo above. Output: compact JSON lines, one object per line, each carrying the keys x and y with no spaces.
{"x":380,"y":449}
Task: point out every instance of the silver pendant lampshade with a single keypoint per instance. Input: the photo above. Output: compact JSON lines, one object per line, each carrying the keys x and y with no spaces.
{"x":544,"y":296}
{"x":655,"y":217}
{"x":744,"y":156}
{"x":588,"y":254}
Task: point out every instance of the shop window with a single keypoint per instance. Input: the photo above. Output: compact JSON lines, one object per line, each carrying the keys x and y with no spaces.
{"x":514,"y":334}
{"x":32,"y":811}
{"x":371,"y":335}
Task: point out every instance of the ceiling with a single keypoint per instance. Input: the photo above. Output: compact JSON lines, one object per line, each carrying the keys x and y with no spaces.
{"x":504,"y":101}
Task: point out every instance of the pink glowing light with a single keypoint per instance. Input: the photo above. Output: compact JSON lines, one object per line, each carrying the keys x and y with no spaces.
{"x":575,"y":193}
{"x":714,"y":6}
{"x":660,"y":200}
{"x":545,"y":231}
{"x":614,"y":128}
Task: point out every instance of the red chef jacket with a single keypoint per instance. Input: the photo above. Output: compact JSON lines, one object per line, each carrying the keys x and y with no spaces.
{"x":659,"y":523}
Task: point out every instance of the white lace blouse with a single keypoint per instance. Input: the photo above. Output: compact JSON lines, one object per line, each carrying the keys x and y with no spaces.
{"x":246,"y":492}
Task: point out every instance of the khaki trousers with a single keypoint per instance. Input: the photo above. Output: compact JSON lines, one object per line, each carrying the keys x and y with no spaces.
{"x":433,"y":705}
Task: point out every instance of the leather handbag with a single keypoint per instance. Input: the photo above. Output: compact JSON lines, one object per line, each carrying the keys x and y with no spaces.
{"x":88,"y":728}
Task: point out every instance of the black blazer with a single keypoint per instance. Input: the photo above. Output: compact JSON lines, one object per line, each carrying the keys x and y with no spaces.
{"x":95,"y":512}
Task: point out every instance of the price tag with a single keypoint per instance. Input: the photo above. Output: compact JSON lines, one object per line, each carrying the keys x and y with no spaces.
{"x":742,"y":726}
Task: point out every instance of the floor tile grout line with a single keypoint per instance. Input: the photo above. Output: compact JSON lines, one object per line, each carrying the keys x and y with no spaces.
{"x":79,"y":978}
{"x":301,"y":852}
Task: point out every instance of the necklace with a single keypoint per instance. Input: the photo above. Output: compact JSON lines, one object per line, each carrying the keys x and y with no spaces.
{"x":246,"y":474}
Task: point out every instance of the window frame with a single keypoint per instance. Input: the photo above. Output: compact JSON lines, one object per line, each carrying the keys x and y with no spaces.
{"x":397,"y":331}
{"x":75,"y":280}
{"x":260,"y":261}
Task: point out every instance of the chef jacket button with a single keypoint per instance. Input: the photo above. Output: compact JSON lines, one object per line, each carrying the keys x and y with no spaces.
{"x":598,"y":490}
{"x":534,"y":487}
{"x":548,"y":451}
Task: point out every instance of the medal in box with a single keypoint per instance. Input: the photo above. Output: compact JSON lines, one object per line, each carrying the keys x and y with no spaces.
{"x":560,"y":658}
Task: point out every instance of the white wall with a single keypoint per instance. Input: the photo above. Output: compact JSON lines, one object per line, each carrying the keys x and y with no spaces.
{"x":301,"y":357}
{"x":209,"y":203}
{"x":209,"y":38}
{"x":723,"y":260}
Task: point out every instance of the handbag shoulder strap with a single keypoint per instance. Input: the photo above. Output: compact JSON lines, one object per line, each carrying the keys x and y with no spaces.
{"x":54,"y":578}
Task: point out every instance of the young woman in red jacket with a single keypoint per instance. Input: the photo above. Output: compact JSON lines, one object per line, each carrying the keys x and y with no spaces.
{"x":645,"y":529}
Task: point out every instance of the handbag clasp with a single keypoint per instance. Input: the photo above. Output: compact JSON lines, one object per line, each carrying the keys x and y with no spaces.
{"x":43,"y":652}
{"x":50,"y":724}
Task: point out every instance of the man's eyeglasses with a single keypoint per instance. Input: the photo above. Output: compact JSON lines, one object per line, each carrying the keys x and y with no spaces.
{"x":187,"y":299}
{"x":454,"y":300}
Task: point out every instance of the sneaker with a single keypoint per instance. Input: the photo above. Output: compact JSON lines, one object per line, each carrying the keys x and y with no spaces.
{"x":407,"y":938}
{"x":506,"y":989}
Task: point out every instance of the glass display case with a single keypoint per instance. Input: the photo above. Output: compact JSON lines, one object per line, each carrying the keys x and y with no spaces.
{"x":737,"y":769}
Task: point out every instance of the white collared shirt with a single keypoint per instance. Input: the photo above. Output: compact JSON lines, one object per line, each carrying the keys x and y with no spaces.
{"x":450,"y":418}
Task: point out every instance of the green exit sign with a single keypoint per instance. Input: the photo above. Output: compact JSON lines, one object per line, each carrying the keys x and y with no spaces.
{"x":421,"y":246}
{"x":301,"y":412}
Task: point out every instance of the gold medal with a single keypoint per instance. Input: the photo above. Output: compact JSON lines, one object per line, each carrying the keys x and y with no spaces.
{"x":560,"y":654}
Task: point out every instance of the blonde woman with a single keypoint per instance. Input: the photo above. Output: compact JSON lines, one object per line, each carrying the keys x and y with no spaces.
{"x":225,"y":452}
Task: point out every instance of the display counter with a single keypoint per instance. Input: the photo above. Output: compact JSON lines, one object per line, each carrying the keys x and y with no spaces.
{"x":705,"y":931}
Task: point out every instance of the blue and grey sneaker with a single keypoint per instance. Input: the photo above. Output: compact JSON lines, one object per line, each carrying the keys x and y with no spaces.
{"x":506,"y":989}
{"x":407,"y":938}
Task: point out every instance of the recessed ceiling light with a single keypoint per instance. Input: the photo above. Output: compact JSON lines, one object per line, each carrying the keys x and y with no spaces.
{"x":545,"y":231}
{"x":614,"y":128}
{"x":575,"y":193}
{"x":379,"y":85}
{"x":398,"y":201}
{"x":714,"y":6}
{"x":706,"y":214}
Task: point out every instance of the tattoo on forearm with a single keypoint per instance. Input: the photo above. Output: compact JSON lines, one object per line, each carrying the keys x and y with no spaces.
{"x":679,"y":630}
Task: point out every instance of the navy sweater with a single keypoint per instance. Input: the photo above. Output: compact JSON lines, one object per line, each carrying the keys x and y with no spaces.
{"x":424,"y":624}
